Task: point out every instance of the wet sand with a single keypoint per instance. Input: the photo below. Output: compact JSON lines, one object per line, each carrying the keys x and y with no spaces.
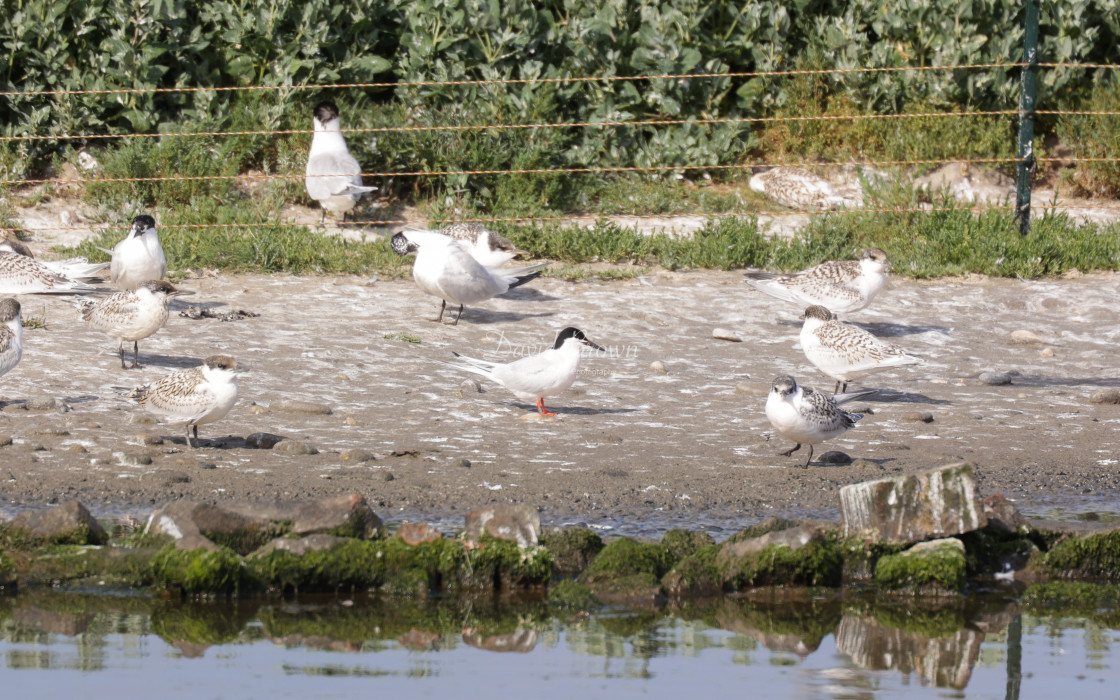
{"x":687,"y":447}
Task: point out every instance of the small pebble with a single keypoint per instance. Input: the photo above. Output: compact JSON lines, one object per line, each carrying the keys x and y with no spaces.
{"x":467,"y":387}
{"x":1105,"y":396}
{"x":834,"y":457}
{"x":309,"y":408}
{"x":294,"y":447}
{"x":724,"y":334}
{"x":658,"y":367}
{"x":149,"y":439}
{"x":176,"y":478}
{"x":388,"y":476}
{"x":917,"y":417}
{"x":132,"y":459}
{"x":36,"y":447}
{"x":207,"y":465}
{"x":1025,"y":337}
{"x":995,"y":378}
{"x":5,"y":440}
{"x":52,"y":431}
{"x":77,"y":449}
{"x":357,"y":456}
{"x":466,"y":463}
{"x":350,"y":421}
{"x":1046,"y":352}
{"x":257,"y":410}
{"x":47,"y":403}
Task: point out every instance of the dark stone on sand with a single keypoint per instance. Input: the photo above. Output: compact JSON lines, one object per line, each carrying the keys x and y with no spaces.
{"x":69,"y":523}
{"x":995,"y":378}
{"x":262,"y":441}
{"x":835,"y":457}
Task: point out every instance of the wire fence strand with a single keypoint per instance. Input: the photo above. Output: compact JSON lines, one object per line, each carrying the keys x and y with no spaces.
{"x":529,"y":81}
{"x":542,"y":125}
{"x":560,"y":171}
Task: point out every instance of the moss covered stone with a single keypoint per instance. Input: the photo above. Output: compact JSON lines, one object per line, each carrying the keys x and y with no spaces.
{"x":1094,"y":557}
{"x":627,"y":557}
{"x":197,"y":571}
{"x":694,"y":575}
{"x":501,"y":564}
{"x":817,"y":563}
{"x":683,"y":543}
{"x":774,"y":524}
{"x":572,"y":548}
{"x":72,"y":564}
{"x":861,"y":555}
{"x":8,"y":576}
{"x":929,"y":568}
{"x":352,"y":565}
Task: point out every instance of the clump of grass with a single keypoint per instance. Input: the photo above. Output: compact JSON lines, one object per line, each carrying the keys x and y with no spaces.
{"x":403,"y":337}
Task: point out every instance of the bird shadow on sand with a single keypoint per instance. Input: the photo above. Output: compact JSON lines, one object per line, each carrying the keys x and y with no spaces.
{"x":573,"y":410}
{"x":1041,"y":381}
{"x":893,"y":396}
{"x":177,"y":361}
{"x":482,"y":316}
{"x":892,"y":330}
{"x":527,"y":294}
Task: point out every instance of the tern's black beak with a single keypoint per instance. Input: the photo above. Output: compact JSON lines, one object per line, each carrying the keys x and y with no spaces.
{"x":585,"y":341}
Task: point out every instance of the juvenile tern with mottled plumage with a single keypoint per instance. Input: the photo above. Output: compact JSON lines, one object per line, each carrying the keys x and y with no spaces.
{"x":130,"y":316}
{"x":845,"y":352}
{"x":537,"y":376}
{"x":806,"y":416}
{"x":842,"y":286}
{"x":197,"y":395}
{"x":22,"y":274}
{"x":11,"y":335}
{"x":444,"y":268}
{"x":333,"y":178}
{"x":77,"y":268}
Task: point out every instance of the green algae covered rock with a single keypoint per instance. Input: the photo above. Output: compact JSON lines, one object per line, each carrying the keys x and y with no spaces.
{"x":695,"y":575}
{"x":502,"y":564}
{"x":628,"y":571}
{"x":348,"y":565}
{"x":774,"y":524}
{"x":1094,"y":557}
{"x":8,"y":576}
{"x":796,"y":556}
{"x":198,"y":571}
{"x":572,"y":548}
{"x":683,"y":543}
{"x":936,"y":567}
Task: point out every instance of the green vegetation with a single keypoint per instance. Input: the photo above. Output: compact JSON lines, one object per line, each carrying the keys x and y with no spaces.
{"x":1094,"y":557}
{"x":8,"y":575}
{"x":199,"y":572}
{"x":818,"y":563}
{"x":938,"y":570}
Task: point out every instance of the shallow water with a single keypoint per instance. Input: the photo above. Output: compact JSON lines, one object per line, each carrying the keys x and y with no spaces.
{"x":65,"y":644}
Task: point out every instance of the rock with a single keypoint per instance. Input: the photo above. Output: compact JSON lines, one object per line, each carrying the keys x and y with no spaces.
{"x":132,"y":459}
{"x":917,"y":417}
{"x":51,"y":431}
{"x":467,"y":387}
{"x":995,"y":378}
{"x":1025,"y":338}
{"x":1094,"y":557}
{"x":45,"y":404}
{"x":724,"y":334}
{"x":1046,"y":352}
{"x":5,"y":440}
{"x":465,"y":463}
{"x":684,"y":543}
{"x":357,"y":456}
{"x":171,"y":478}
{"x":518,"y":523}
{"x":258,"y":410}
{"x":69,"y":523}
{"x":193,"y":524}
{"x":418,"y":533}
{"x":834,"y":457}
{"x":935,"y":503}
{"x":793,"y":556}
{"x":628,"y":572}
{"x":309,"y":408}
{"x":294,"y":448}
{"x":299,"y":547}
{"x":1111,"y":396}
{"x":388,"y":476}
{"x":262,"y":441}
{"x":657,"y":367}
{"x":149,"y":440}
{"x":572,"y":548}
{"x":345,"y":516}
{"x":936,"y":567}
{"x":1002,"y":514}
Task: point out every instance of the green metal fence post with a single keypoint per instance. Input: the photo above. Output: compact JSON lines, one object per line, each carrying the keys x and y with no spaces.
{"x":1027,"y":96}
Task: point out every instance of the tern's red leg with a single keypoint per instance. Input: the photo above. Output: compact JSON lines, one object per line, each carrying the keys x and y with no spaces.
{"x":540,"y":407}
